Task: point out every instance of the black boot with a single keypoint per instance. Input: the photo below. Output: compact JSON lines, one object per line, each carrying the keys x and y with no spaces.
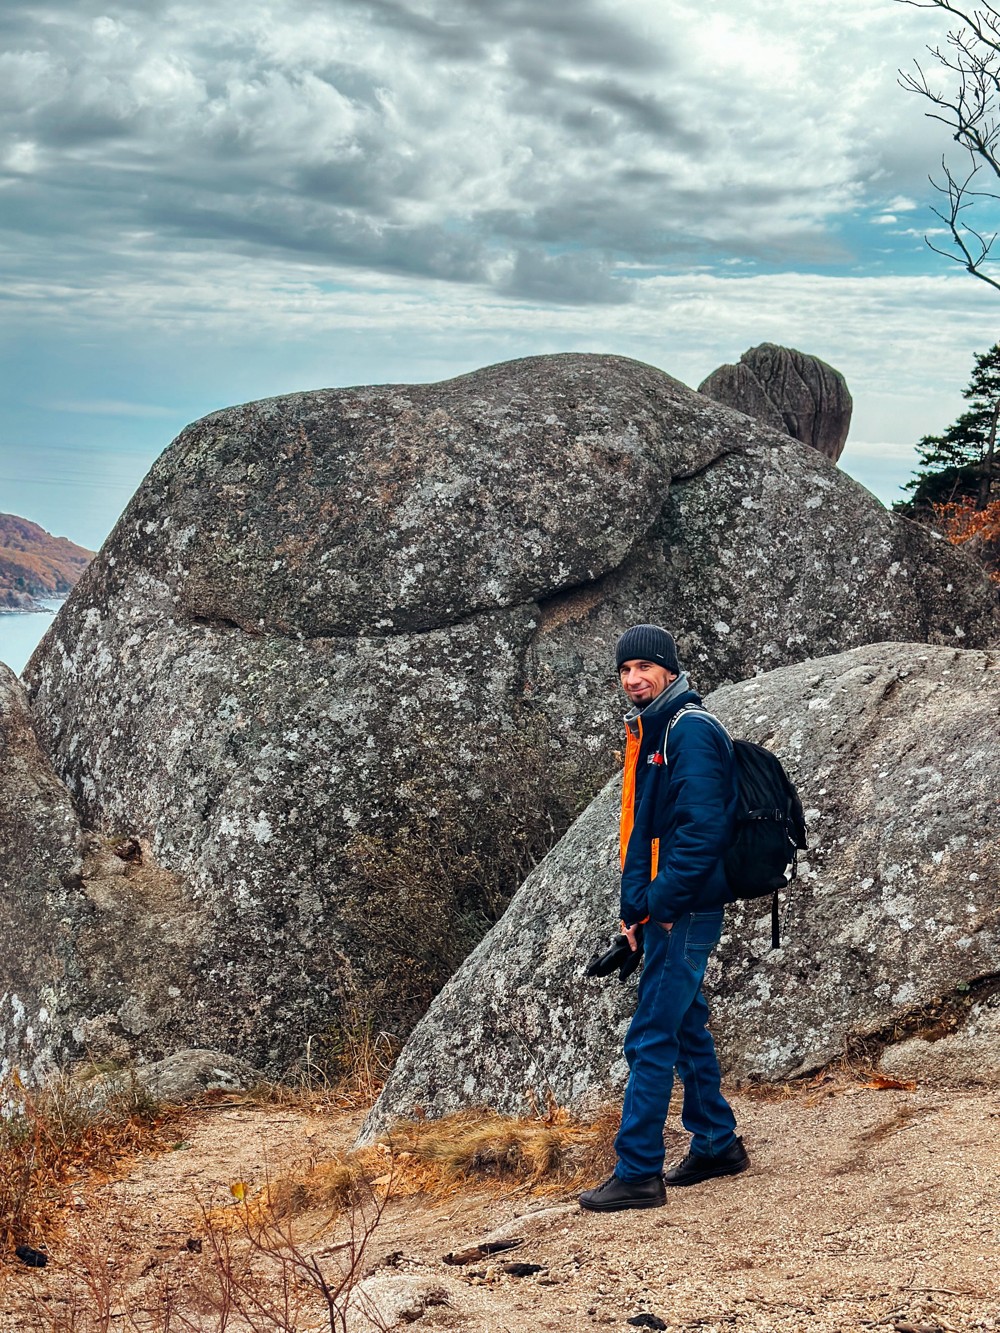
{"x":615,"y":1194}
{"x":694,"y":1168}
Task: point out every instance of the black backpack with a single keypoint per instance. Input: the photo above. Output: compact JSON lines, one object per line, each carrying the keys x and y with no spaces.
{"x":770,"y":826}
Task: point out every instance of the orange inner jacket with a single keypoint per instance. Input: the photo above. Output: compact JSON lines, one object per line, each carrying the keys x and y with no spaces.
{"x":633,"y":744}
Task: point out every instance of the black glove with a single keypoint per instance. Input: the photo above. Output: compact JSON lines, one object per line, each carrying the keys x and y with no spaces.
{"x":620,"y":957}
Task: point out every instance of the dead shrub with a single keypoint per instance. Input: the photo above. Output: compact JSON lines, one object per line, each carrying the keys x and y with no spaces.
{"x":53,"y":1136}
{"x":268,"y":1265}
{"x":247,"y":1272}
{"x":468,"y":832}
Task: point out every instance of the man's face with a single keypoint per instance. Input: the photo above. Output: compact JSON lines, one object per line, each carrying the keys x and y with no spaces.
{"x":642,"y":681}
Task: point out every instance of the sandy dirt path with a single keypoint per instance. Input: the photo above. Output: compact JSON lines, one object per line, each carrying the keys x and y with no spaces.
{"x":863,"y":1209}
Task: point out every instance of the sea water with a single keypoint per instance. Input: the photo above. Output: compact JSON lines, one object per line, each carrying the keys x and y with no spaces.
{"x":21,"y":632}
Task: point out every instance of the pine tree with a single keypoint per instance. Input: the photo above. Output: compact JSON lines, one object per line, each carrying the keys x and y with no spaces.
{"x":961,"y":464}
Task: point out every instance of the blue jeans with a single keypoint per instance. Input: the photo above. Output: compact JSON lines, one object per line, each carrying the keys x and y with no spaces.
{"x":670,"y":1030}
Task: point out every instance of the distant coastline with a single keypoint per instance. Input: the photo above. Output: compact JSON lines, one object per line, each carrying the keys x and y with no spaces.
{"x":21,"y":631}
{"x":47,"y":606}
{"x":37,"y":574}
{"x":30,"y":606}
{"x":35,"y":566}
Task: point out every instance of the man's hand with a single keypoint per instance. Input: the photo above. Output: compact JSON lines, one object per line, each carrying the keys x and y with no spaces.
{"x":629,"y":933}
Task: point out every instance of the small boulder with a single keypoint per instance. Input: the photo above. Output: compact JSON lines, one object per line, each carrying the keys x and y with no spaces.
{"x":394,"y":1300}
{"x":187,"y":1075}
{"x":789,"y":391}
{"x":969,"y":1054}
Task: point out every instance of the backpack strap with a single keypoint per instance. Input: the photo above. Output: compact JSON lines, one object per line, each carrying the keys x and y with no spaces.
{"x":691,"y":708}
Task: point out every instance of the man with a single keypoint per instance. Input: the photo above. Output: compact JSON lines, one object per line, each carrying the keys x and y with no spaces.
{"x":679,"y":796}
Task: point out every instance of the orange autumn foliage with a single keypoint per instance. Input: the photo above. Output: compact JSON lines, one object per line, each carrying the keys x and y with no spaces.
{"x":962,"y":522}
{"x":35,"y":563}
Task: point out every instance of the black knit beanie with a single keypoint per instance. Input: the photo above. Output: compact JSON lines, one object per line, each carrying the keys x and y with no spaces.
{"x":650,"y":644}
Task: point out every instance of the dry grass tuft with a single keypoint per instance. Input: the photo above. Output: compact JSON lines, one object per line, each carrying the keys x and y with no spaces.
{"x":53,"y":1137}
{"x":329,"y":1188}
{"x":548,"y":1153}
{"x":488,"y":1145}
{"x":328,"y":1185}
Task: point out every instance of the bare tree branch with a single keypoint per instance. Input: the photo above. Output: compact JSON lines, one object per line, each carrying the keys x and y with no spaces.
{"x":971,"y":56}
{"x":984,"y":22}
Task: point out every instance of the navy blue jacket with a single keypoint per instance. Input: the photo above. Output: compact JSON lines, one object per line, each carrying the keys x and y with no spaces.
{"x":683,"y":811}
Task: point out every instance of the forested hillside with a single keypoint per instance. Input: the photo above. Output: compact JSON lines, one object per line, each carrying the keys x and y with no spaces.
{"x":33,"y":563}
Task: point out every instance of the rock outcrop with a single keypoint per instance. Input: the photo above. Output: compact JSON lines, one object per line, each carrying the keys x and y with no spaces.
{"x":962,"y":1045}
{"x":98,"y":940}
{"x":788,"y":391}
{"x":895,"y":750}
{"x":343,"y":665}
{"x":40,"y":870}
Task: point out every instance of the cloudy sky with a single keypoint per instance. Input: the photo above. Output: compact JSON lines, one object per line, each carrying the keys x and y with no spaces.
{"x":200,"y":205}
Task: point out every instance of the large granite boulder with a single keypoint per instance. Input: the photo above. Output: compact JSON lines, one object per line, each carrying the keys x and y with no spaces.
{"x":895,"y":750}
{"x":344,"y":663}
{"x":789,"y":391}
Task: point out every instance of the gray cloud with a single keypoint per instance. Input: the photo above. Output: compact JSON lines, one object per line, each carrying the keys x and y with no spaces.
{"x":583,"y":34}
{"x":509,"y":143}
{"x":565,"y":279}
{"x":648,"y":113}
{"x":355,"y":241}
